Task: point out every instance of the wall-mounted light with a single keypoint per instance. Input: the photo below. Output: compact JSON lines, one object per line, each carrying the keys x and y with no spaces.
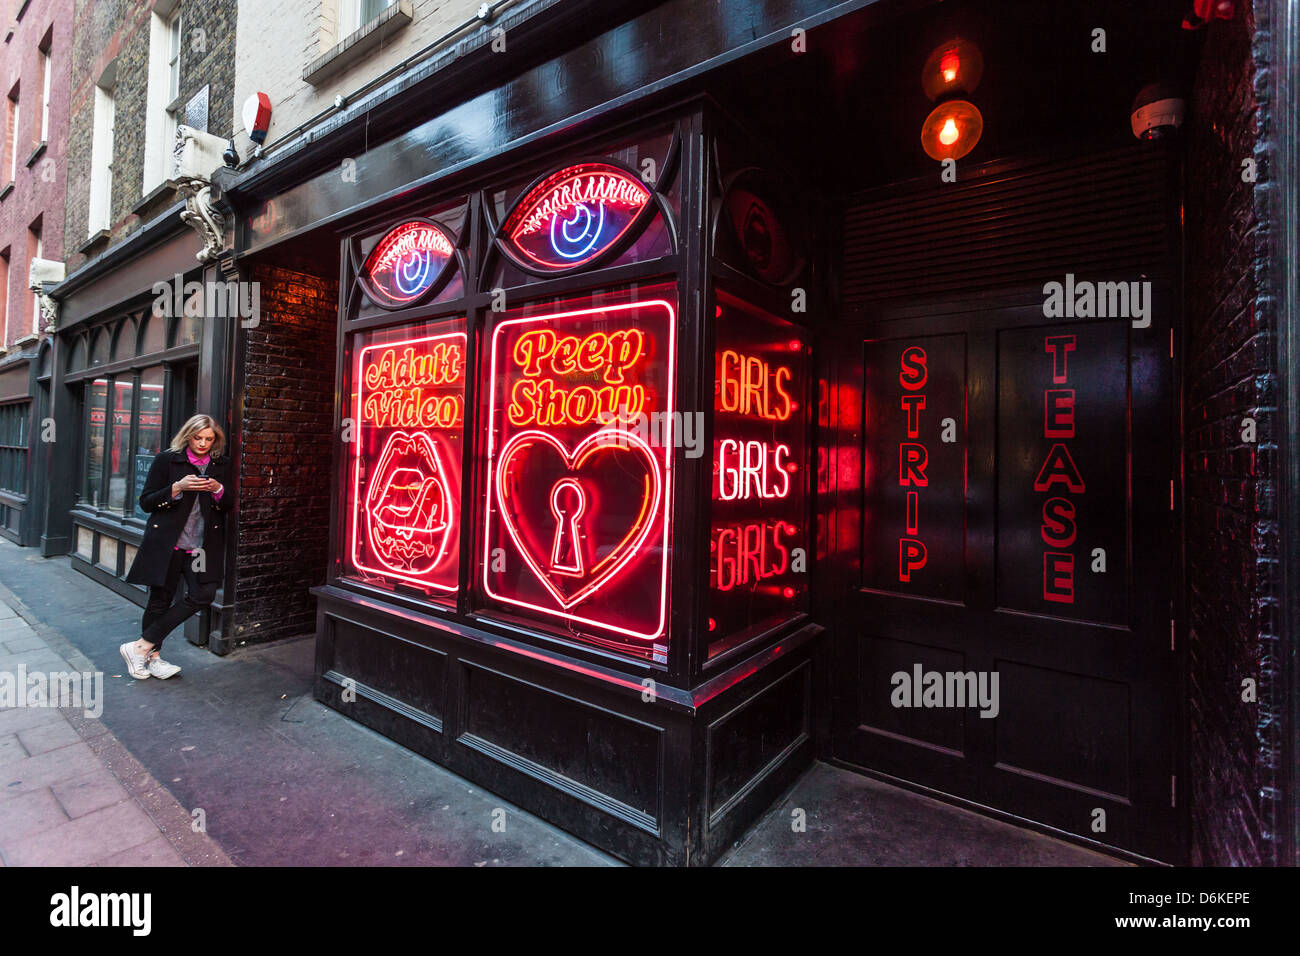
{"x":951,"y":130}
{"x":953,"y":68}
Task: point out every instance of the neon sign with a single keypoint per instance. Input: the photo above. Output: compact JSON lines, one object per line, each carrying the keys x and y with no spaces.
{"x":758,"y":540}
{"x":409,"y":413}
{"x":1059,"y":530}
{"x":573,"y":216}
{"x":578,"y":495}
{"x":408,"y":261}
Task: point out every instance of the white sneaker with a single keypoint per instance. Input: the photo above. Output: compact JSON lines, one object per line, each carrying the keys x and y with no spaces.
{"x":160,"y":668}
{"x":135,"y":665}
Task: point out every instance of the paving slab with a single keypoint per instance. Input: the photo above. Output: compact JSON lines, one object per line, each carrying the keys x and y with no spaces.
{"x":29,"y":814}
{"x":89,"y":792}
{"x":87,"y":839}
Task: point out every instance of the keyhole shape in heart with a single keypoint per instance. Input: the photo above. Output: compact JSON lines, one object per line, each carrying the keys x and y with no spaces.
{"x":578,"y":531}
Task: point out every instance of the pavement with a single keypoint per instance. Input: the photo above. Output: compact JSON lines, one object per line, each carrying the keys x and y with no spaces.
{"x":233,"y":762}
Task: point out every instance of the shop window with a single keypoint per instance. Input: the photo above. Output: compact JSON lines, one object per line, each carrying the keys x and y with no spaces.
{"x":186,"y":330}
{"x":577,"y":482}
{"x":119,"y":450}
{"x":589,"y":214}
{"x":758,"y":537}
{"x":413,"y":263}
{"x":13,"y":447}
{"x":124,"y":340}
{"x":99,"y":347}
{"x":403,"y":481}
{"x":96,"y":401}
{"x":77,"y":355}
{"x":152,"y":335}
{"x":149,"y":432}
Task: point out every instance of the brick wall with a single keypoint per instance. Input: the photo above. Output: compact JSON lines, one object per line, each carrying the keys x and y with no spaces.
{"x":39,"y":188}
{"x":120,"y":30}
{"x":1232,"y":541}
{"x":284,"y":456}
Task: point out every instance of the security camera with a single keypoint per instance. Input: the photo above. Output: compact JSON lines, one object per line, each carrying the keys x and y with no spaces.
{"x":1157,"y":111}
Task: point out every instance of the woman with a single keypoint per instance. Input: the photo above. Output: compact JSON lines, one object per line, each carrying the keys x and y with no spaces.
{"x":185,"y":496}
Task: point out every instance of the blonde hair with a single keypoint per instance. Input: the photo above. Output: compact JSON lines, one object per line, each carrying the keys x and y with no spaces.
{"x":197,"y":424}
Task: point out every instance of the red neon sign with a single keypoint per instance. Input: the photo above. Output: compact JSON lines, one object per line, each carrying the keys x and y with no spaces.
{"x":407,"y":262}
{"x":572,"y":217}
{"x":758,"y":539}
{"x":409,"y":413}
{"x":1059,"y":529}
{"x":577,"y":483}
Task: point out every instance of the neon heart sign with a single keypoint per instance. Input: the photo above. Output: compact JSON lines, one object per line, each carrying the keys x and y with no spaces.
{"x":409,"y":416}
{"x":570,"y":557}
{"x":578,"y":497}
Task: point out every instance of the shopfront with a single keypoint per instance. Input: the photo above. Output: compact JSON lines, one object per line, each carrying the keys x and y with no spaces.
{"x":685,"y":433}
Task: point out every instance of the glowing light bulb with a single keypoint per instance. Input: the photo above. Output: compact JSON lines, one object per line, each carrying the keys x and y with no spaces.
{"x":949,"y":66}
{"x":948,"y":135}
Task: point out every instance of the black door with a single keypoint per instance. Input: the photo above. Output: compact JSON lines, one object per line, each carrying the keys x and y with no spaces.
{"x":999,"y":494}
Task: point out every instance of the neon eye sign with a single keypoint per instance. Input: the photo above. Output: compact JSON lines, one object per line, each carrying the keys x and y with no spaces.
{"x":407,"y":263}
{"x":577,"y":487}
{"x":406,"y":474}
{"x":574,"y":216}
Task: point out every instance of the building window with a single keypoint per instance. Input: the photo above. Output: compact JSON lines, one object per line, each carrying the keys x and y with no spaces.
{"x":4,"y":297}
{"x":162,"y":106}
{"x":355,"y":14}
{"x":35,"y":249}
{"x":45,"y":68}
{"x":101,"y":156}
{"x":13,"y":447}
{"x":11,"y":139}
{"x":96,"y":402}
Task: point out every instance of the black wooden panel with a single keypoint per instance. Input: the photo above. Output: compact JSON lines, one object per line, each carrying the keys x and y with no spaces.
{"x":745,"y":741}
{"x":602,"y":751}
{"x":1068,"y":729}
{"x":1006,"y":224}
{"x":414,"y":675}
{"x":940,"y":727}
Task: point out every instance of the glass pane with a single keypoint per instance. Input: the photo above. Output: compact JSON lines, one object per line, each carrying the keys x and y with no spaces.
{"x":577,"y":472}
{"x":120,"y":444}
{"x":77,"y":357}
{"x":96,"y":400}
{"x":124,"y":340}
{"x":189,"y":329}
{"x":99,"y":350}
{"x":758,"y":542}
{"x":404,"y":477}
{"x":154,"y":336}
{"x":149,"y":442}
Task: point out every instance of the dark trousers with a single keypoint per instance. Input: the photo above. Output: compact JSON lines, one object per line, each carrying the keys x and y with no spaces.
{"x":160,"y":616}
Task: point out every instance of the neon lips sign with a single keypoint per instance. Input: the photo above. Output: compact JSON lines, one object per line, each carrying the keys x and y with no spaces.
{"x":407,"y":263}
{"x":578,"y":497}
{"x":406,"y":473}
{"x":574,"y":216}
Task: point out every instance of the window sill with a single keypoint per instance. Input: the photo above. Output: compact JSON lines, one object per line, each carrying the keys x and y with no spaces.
{"x":36,"y":154}
{"x":354,"y":48}
{"x":28,"y":339}
{"x":152,"y":196}
{"x":6,"y":191}
{"x":93,"y":241}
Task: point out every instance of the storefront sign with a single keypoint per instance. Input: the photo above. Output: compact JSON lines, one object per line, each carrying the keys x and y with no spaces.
{"x":758,"y":539}
{"x":406,"y":486}
{"x":573,"y":216}
{"x":578,"y":497}
{"x":914,"y":476}
{"x":407,"y":262}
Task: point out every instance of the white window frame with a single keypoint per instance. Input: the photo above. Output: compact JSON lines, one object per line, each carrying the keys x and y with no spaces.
{"x":165,"y":43}
{"x":352,"y":18}
{"x":13,"y":142}
{"x":101,"y":161}
{"x":46,"y":65}
{"x":36,"y":296}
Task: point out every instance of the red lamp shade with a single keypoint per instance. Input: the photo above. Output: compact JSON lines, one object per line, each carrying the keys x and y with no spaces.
{"x":951,"y":130}
{"x":952,"y":68}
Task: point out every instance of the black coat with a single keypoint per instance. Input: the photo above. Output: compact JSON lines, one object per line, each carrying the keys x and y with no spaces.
{"x":167,"y":518}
